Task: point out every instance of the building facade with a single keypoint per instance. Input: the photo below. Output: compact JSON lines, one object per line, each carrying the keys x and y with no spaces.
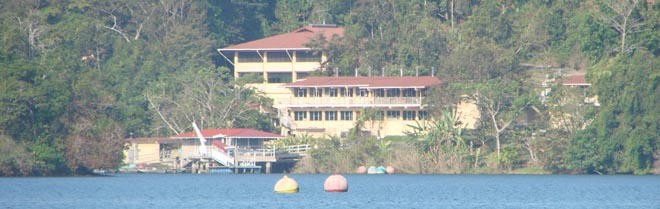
{"x":279,"y":59}
{"x":370,"y":106}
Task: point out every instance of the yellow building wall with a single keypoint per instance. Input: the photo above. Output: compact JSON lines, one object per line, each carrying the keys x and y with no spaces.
{"x":142,"y":153}
{"x":328,"y":128}
{"x":468,"y":113}
{"x":275,"y":91}
{"x":267,"y":67}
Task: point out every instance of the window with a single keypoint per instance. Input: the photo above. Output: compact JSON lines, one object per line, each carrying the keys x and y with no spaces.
{"x":314,"y":92}
{"x":423,"y":115}
{"x":393,"y":114}
{"x":330,"y":115}
{"x":300,"y":92}
{"x":314,"y":115}
{"x":332,"y":92}
{"x":408,"y":93}
{"x":299,"y":115}
{"x":249,"y":57}
{"x":409,"y":115}
{"x":278,"y":57}
{"x":379,"y":92}
{"x":346,"y":92}
{"x":363,"y":92}
{"x":393,"y":92}
{"x":308,"y":56}
{"x":346,"y":115}
{"x":279,"y":77}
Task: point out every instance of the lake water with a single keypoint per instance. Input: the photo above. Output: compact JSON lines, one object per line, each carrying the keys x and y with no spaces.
{"x":365,"y":191}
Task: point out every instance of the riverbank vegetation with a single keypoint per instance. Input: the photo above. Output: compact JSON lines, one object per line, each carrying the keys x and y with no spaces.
{"x":79,"y":76}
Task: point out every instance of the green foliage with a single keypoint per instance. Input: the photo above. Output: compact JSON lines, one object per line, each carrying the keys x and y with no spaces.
{"x":624,"y":136}
{"x":15,"y":159}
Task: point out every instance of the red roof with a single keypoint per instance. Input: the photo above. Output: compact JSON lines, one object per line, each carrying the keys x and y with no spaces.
{"x":368,"y":82}
{"x":229,"y":133}
{"x":292,"y":40}
{"x":575,"y":80}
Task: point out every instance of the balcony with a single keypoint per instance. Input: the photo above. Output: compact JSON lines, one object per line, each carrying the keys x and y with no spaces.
{"x":404,"y":102}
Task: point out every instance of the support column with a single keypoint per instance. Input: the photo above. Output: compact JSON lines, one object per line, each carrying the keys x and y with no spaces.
{"x":294,"y":74}
{"x":264,"y":59}
{"x":268,"y":166}
{"x":235,"y":63}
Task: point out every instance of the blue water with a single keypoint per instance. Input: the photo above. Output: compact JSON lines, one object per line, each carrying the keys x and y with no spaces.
{"x":365,"y":191}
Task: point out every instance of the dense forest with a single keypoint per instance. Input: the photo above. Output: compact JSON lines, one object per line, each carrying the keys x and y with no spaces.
{"x":79,"y":76}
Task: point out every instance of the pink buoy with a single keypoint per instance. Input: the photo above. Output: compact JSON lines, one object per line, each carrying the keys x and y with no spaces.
{"x":389,"y":170}
{"x":335,"y":183}
{"x":361,"y":170}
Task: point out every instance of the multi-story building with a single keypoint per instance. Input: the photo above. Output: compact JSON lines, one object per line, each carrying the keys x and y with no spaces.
{"x":279,"y":59}
{"x":326,"y":106}
{"x":377,"y":106}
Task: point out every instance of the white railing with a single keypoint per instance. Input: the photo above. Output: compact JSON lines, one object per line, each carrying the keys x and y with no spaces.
{"x":221,"y":156}
{"x":343,"y":101}
{"x":295,"y":149}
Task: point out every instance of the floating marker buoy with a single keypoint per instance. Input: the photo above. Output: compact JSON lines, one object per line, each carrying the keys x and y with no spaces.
{"x":286,"y":185}
{"x":335,"y":183}
{"x":372,"y":170}
{"x":389,"y":169}
{"x":380,"y":170}
{"x":361,"y":170}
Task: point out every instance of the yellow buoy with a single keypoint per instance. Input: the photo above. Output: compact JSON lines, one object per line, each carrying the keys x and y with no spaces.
{"x":335,"y":183}
{"x":286,"y":185}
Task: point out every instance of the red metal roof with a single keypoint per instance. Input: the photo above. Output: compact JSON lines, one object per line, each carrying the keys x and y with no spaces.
{"x":229,"y":133}
{"x":292,"y":40}
{"x":575,"y":80}
{"x":368,"y":82}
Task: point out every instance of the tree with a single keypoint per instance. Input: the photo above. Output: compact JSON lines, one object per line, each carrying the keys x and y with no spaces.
{"x":623,"y":136}
{"x":206,"y":96}
{"x":621,"y":17}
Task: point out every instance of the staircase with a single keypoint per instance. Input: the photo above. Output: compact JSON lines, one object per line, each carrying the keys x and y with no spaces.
{"x":219,"y":154}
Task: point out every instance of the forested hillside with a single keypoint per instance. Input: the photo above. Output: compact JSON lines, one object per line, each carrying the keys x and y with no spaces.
{"x":79,"y":76}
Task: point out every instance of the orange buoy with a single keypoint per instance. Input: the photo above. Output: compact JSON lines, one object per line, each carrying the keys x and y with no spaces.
{"x":389,"y":169}
{"x":361,"y":170}
{"x":286,"y":185}
{"x":335,"y":183}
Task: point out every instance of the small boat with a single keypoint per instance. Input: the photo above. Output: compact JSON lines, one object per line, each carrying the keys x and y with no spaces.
{"x":376,"y":170}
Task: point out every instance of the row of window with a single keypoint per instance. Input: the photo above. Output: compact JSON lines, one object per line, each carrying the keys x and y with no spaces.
{"x":348,"y":115}
{"x":279,"y":57}
{"x":348,"y":92}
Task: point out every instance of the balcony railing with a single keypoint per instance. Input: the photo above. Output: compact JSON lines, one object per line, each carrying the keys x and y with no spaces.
{"x":354,"y":101}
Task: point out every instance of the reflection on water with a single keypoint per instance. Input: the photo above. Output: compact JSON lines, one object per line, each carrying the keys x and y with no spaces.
{"x":365,"y":191}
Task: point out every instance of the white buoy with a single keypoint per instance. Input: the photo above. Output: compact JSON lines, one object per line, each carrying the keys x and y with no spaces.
{"x":335,"y":183}
{"x":286,"y":185}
